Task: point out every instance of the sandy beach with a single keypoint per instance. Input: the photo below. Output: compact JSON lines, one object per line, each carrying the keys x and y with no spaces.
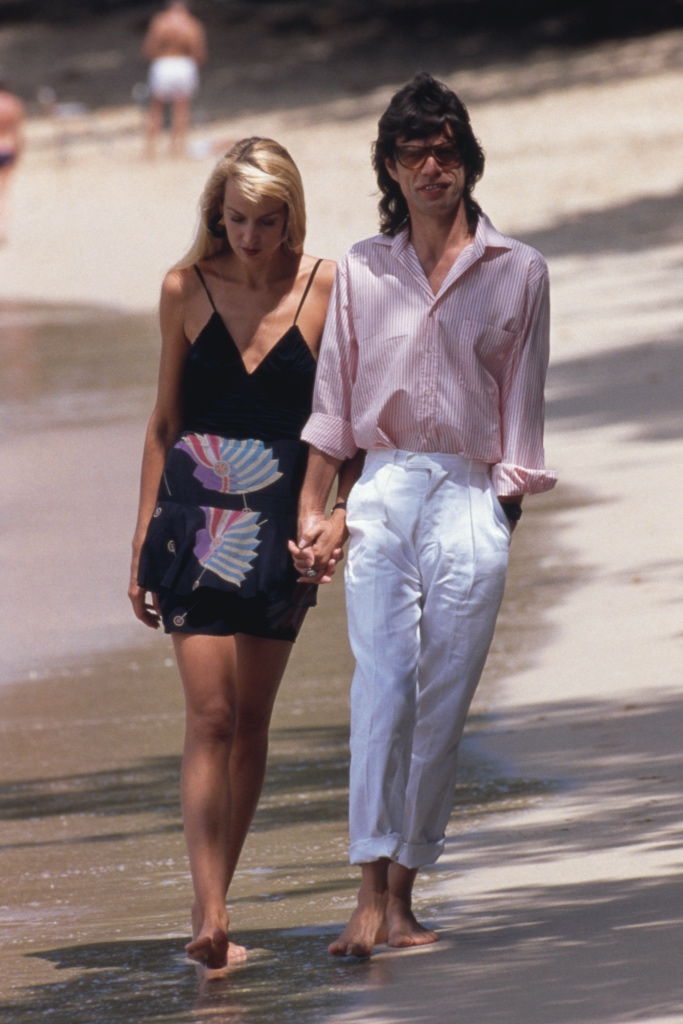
{"x":559,"y":898}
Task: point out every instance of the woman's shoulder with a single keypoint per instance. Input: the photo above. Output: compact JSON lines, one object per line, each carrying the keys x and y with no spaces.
{"x":315,"y":306}
{"x":181,"y":299}
{"x":183,"y":286}
{"x":179,"y":282}
{"x":324,"y":275}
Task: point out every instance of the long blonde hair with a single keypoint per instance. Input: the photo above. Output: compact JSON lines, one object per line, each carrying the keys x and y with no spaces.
{"x":262,"y":169}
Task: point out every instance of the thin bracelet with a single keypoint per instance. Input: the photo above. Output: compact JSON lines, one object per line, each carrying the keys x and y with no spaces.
{"x":340,"y":504}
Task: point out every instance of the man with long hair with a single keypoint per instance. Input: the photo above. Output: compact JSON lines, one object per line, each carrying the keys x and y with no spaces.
{"x":433,"y":360}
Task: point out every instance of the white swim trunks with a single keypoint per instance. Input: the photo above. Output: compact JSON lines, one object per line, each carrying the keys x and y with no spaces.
{"x":173,"y":78}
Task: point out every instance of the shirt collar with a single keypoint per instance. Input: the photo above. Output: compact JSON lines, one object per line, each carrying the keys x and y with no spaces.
{"x":486,"y":237}
{"x":489,"y":237}
{"x":397,"y":243}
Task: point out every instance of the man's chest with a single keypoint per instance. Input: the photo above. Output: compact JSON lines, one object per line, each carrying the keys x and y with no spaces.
{"x":392,"y":306}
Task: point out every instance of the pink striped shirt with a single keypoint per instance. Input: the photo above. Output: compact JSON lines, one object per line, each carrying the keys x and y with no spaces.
{"x":461,"y":372}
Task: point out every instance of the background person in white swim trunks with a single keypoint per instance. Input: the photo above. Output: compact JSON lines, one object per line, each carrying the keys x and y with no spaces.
{"x":175,"y":46}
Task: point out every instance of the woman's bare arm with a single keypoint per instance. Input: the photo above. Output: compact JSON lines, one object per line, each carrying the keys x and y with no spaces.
{"x":163,"y":426}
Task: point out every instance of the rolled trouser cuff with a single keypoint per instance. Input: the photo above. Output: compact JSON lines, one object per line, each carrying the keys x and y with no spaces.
{"x":419,"y":855}
{"x":366,"y":850}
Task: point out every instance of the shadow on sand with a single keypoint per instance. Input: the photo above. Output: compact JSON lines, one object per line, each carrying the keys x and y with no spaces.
{"x":511,"y":963}
{"x":298,"y":791}
{"x":506,"y":953}
{"x":639,"y":385}
{"x":624,"y":228}
{"x":517,"y":931}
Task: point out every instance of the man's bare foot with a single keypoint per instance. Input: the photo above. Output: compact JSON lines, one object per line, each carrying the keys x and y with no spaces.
{"x":404,"y":929}
{"x":366,"y":928}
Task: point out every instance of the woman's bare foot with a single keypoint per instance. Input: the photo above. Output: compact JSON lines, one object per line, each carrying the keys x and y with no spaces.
{"x":366,"y":928}
{"x":210,"y":945}
{"x":210,"y":948}
{"x":236,"y":954}
{"x":404,"y":929}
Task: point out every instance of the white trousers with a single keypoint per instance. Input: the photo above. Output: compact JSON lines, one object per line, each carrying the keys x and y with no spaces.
{"x":424,"y":582}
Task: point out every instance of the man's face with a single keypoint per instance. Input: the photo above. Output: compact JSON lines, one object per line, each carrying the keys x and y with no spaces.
{"x":430,"y":174}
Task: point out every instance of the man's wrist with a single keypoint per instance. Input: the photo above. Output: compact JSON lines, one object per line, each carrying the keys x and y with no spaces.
{"x":512,"y":509}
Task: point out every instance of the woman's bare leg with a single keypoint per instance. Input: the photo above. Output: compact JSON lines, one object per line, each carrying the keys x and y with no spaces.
{"x":230,"y":687}
{"x":207,"y":669}
{"x":261,"y":665}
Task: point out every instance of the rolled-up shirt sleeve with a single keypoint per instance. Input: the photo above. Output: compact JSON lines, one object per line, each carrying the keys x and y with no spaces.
{"x":522,"y":466}
{"x":329,"y":426}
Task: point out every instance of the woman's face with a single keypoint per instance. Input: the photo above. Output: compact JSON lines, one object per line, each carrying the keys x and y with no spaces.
{"x":255,"y":229}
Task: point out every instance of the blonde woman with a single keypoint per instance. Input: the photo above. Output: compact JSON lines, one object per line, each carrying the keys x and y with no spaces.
{"x":241,"y":320}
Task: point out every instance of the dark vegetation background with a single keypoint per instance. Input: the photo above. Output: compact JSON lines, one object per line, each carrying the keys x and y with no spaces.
{"x":289,"y":53}
{"x":569,"y":18}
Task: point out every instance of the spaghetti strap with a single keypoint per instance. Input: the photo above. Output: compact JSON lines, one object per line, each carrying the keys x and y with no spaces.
{"x":208,"y":293}
{"x":306,"y":290}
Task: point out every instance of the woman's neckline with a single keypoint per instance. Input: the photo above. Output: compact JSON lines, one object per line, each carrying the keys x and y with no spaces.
{"x":292,"y":329}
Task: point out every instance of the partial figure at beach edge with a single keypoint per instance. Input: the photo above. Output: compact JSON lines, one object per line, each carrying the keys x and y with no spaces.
{"x":175,"y":46}
{"x":12,"y":116}
{"x":241,"y":319}
{"x":433,"y":361}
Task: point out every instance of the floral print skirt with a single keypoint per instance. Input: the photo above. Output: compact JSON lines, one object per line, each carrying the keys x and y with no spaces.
{"x":216,"y":547}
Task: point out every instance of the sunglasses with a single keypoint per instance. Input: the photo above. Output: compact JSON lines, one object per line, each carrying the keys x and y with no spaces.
{"x":446,"y":155}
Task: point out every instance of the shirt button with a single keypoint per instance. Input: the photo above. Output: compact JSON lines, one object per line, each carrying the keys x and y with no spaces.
{"x":428,"y":391}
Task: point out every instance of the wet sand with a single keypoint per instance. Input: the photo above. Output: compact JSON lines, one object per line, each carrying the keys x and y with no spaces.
{"x":95,"y":919}
{"x":559,"y":898}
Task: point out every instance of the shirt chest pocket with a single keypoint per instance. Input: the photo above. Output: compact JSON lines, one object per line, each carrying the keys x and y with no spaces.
{"x":482,"y":353}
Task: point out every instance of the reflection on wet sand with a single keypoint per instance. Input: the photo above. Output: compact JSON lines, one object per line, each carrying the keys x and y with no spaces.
{"x":147,"y":979}
{"x":95,"y":908}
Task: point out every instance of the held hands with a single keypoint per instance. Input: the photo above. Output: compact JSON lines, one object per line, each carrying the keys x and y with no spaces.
{"x":319,"y":546}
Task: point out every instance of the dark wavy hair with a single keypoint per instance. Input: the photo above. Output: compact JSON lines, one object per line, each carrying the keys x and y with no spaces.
{"x":422,"y":108}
